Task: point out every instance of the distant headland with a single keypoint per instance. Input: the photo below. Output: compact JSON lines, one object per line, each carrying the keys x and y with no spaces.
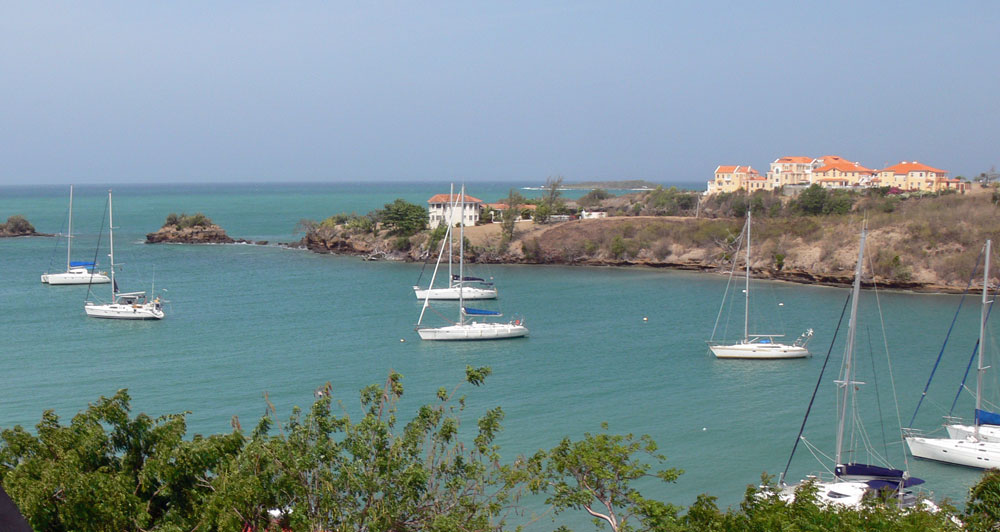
{"x":922,"y":241}
{"x":630,"y":184}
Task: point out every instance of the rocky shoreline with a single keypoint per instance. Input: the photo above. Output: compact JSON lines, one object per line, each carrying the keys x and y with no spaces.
{"x":570,"y":244}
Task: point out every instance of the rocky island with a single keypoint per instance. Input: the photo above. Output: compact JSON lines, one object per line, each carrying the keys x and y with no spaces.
{"x":189,"y":229}
{"x":17,"y":226}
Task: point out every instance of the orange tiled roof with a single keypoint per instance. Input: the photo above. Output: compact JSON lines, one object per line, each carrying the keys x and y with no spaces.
{"x":794,"y":159}
{"x":502,"y":206}
{"x":907,"y":167}
{"x":735,"y":169}
{"x":843,"y":166}
{"x":447,"y":198}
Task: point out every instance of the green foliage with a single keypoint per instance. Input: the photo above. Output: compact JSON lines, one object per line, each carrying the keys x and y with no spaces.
{"x":404,"y":218}
{"x":594,"y":197}
{"x":618,"y":247}
{"x":185,"y":221}
{"x":779,"y":261}
{"x":596,"y":474}
{"x":108,"y":471}
{"x":983,"y":509}
{"x":811,"y":200}
{"x":401,"y":244}
{"x":436,"y":236}
{"x":669,"y":202}
{"x":510,"y":215}
{"x":17,"y":225}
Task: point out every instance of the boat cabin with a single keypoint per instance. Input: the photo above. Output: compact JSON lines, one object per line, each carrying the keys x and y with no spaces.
{"x":131,"y":298}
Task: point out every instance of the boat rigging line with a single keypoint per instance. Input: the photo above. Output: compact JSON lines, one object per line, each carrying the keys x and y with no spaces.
{"x":781,"y":478}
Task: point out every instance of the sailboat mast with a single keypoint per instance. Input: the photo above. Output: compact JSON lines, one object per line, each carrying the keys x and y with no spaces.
{"x":451,"y":222}
{"x":746,"y":310}
{"x":69,"y":235}
{"x":847,"y":384}
{"x":111,"y":238}
{"x":461,"y":258}
{"x":982,"y":339}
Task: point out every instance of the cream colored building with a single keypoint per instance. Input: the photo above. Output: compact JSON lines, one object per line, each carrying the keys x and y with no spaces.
{"x":918,"y":177}
{"x":733,"y":178}
{"x":790,"y":170}
{"x":837,"y":172}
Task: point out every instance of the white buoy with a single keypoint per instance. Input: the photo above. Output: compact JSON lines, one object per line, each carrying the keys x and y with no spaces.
{"x":781,"y":304}
{"x":645,"y":318}
{"x":401,"y":340}
{"x":703,"y":429}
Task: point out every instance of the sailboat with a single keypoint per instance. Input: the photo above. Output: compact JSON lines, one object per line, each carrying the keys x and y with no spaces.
{"x":124,"y":305}
{"x":757,"y":346}
{"x":853,"y":481}
{"x":472,"y":323}
{"x":459,"y":286}
{"x":77,"y":272}
{"x":976,"y":445}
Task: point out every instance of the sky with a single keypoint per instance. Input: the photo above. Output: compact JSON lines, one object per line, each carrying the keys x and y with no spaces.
{"x":247,"y":91}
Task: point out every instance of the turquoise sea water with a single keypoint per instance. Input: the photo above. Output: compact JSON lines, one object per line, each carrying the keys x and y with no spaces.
{"x":244,"y":320}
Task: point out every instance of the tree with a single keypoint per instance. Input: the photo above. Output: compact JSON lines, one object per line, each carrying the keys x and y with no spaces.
{"x":511,"y":214}
{"x":594,"y":197}
{"x":812,"y":199}
{"x":550,"y":201}
{"x":983,"y":508}
{"x":329,"y":472}
{"x":108,"y":471}
{"x":404,"y":218}
{"x":596,"y":475}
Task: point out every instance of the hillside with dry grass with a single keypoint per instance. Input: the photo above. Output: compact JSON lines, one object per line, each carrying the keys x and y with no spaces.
{"x":917,"y":243}
{"x":922,"y":244}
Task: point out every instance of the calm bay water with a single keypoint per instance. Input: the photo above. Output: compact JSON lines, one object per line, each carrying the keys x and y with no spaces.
{"x":244,"y":320}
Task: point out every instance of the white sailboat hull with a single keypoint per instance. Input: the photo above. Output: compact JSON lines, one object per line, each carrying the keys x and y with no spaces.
{"x":124,"y":312}
{"x":452,"y":293}
{"x":759,"y":351}
{"x":76,"y":276}
{"x":988,"y":433}
{"x":474,"y":331}
{"x":965,"y":451}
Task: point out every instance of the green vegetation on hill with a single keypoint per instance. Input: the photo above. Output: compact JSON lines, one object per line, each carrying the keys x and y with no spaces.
{"x":320,"y":470}
{"x":185,"y":221}
{"x":17,"y":225}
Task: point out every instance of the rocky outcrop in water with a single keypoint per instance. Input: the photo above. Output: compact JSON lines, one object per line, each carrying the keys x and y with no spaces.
{"x":211,"y":234}
{"x":17,"y":226}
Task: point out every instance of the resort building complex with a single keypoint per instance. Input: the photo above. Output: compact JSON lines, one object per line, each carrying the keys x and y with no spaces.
{"x":832,"y":171}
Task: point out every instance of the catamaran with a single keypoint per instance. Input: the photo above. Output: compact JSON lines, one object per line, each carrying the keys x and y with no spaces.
{"x":459,"y":286}
{"x":124,"y":305}
{"x":759,"y":346}
{"x":852,"y":482}
{"x":77,"y":272}
{"x":472,"y":324}
{"x":978,"y":444}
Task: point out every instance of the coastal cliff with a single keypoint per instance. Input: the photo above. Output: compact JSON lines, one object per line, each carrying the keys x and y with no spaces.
{"x":193,"y":229}
{"x":928,"y":245}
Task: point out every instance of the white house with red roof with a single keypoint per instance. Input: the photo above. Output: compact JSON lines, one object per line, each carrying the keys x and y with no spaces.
{"x":448,"y":208}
